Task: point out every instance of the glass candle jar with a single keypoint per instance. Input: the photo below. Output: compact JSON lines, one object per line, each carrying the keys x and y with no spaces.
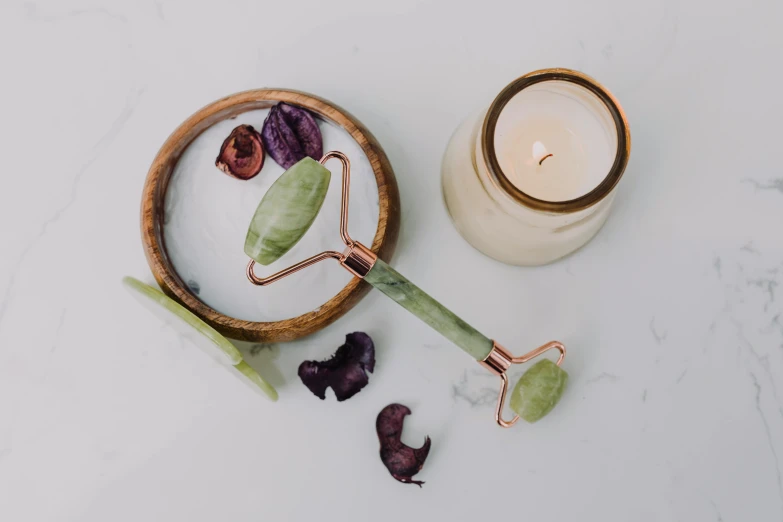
{"x":532,"y":178}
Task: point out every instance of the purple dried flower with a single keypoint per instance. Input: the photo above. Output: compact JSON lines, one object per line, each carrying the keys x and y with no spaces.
{"x":242,"y":153}
{"x":402,"y":461}
{"x":345,"y":372}
{"x":291,"y":133}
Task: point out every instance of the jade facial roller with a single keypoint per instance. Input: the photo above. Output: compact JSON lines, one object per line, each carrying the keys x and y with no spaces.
{"x":286,"y":213}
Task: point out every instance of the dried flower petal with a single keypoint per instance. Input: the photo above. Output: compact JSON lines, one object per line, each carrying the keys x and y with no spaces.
{"x":290,"y":134}
{"x":242,"y":153}
{"x":402,"y":461}
{"x":345,"y":372}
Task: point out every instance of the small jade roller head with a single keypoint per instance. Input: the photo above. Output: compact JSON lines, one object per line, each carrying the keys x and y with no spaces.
{"x":538,"y":390}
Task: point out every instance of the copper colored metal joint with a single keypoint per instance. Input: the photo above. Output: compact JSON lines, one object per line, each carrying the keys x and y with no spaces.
{"x":358,"y":259}
{"x":500,"y":360}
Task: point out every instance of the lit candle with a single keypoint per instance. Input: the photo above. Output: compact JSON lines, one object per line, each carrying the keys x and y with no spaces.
{"x":532,"y":178}
{"x":571,"y":136}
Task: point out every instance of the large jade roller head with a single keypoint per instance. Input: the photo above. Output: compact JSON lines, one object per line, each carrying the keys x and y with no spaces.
{"x":287,"y":210}
{"x":286,"y":213}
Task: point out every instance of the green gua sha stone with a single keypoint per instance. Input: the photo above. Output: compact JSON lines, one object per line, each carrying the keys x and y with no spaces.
{"x":287,"y":210}
{"x":538,"y":390}
{"x":203,"y":335}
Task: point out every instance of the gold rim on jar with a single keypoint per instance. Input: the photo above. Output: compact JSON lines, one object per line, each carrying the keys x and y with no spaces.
{"x":572,"y":205}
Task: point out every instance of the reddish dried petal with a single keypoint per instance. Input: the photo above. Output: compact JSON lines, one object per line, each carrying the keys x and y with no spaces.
{"x":242,"y":153}
{"x":345,"y":372}
{"x":402,"y":461}
{"x":290,"y":134}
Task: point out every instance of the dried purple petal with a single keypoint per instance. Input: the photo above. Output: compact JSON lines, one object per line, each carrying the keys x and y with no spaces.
{"x":345,"y":372}
{"x":242,"y":153}
{"x":291,"y":133}
{"x":402,"y":461}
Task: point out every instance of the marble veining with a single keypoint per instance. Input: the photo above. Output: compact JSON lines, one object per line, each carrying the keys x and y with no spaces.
{"x":484,"y":395}
{"x":658,"y":335}
{"x":603,"y":377}
{"x":97,"y":151}
{"x":773,"y":184}
{"x":772,"y":449}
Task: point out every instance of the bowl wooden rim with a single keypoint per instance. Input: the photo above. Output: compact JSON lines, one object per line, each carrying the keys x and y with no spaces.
{"x":153,"y":205}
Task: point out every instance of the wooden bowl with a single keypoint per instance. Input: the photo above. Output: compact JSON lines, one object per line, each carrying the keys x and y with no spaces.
{"x":153,"y":207}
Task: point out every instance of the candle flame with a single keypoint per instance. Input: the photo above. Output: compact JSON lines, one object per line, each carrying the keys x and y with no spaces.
{"x":540,"y":153}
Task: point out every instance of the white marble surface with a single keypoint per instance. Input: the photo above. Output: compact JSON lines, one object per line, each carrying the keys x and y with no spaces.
{"x":672,"y":314}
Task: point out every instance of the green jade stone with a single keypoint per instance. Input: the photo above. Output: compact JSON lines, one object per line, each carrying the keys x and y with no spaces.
{"x":412,"y":298}
{"x":287,"y":210}
{"x":200,"y":333}
{"x":538,"y":390}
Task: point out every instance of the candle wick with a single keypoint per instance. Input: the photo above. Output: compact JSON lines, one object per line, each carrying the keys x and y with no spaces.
{"x":545,"y":157}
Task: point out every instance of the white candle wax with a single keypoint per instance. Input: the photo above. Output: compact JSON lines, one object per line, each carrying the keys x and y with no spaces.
{"x":555,"y":141}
